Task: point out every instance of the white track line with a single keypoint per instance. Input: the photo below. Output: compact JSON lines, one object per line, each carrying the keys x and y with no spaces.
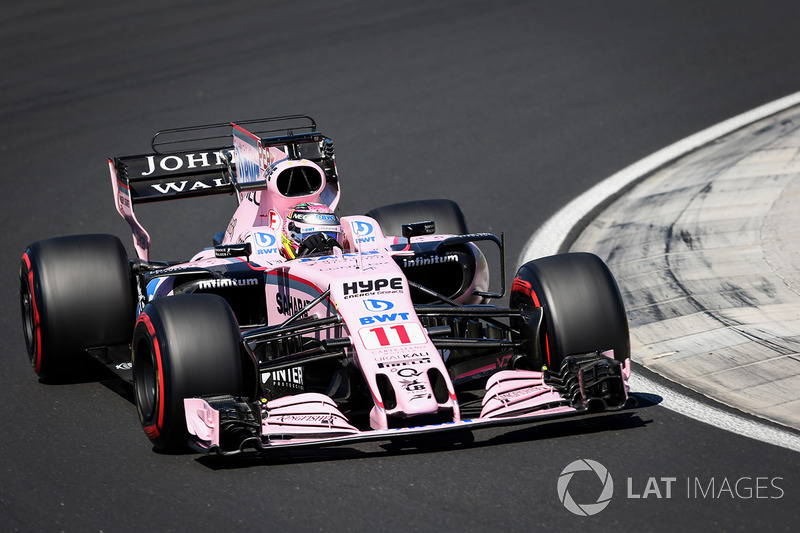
{"x":703,"y":412}
{"x":549,"y":238}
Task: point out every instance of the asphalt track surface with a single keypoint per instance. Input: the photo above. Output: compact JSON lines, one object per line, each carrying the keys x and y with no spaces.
{"x":510,"y":108}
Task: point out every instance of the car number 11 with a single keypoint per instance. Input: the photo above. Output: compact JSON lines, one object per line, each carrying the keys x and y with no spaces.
{"x":401,"y":334}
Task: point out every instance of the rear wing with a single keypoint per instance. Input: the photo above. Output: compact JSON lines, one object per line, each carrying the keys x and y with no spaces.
{"x":202,"y":161}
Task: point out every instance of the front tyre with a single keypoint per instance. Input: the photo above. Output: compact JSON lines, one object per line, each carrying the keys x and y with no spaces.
{"x":183,"y":346}
{"x":582,"y":306}
{"x":75,"y":293}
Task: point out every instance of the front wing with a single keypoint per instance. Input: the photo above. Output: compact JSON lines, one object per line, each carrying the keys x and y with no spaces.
{"x":226,"y":425}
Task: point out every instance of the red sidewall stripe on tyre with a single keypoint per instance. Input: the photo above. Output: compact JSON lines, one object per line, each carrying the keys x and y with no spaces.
{"x":154,"y":430}
{"x":546,"y":336}
{"x":525,"y":287}
{"x":36,"y":322}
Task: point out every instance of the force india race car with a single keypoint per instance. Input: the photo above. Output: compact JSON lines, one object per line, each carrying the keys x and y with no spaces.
{"x":298,"y":328}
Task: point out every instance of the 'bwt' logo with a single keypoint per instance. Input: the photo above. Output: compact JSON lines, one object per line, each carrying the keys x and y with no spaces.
{"x":586,"y":509}
{"x":362,"y":229}
{"x":377,"y":306}
{"x":265,"y":240}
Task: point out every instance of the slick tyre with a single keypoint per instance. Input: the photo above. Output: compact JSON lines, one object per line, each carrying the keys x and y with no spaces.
{"x":446,"y":214}
{"x":582,"y":306}
{"x":183,"y":346}
{"x":75,"y":293}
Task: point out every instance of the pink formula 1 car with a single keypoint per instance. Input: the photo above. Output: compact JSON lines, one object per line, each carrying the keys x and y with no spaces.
{"x":301,"y":328}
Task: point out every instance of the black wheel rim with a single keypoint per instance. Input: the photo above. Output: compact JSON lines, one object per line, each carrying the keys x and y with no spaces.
{"x":28,"y":320}
{"x":145,"y":380}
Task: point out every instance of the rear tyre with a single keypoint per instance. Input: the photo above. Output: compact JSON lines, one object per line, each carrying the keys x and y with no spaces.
{"x":446,"y":214}
{"x":582,"y":306}
{"x":75,"y":293}
{"x":183,"y":346}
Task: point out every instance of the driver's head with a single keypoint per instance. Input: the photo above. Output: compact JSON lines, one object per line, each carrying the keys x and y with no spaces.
{"x":306,"y":220}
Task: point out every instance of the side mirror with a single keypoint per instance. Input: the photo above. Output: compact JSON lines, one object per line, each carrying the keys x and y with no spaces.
{"x":233,"y":250}
{"x":427,"y":227}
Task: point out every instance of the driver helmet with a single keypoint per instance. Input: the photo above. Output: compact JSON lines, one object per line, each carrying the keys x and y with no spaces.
{"x":305,"y":220}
